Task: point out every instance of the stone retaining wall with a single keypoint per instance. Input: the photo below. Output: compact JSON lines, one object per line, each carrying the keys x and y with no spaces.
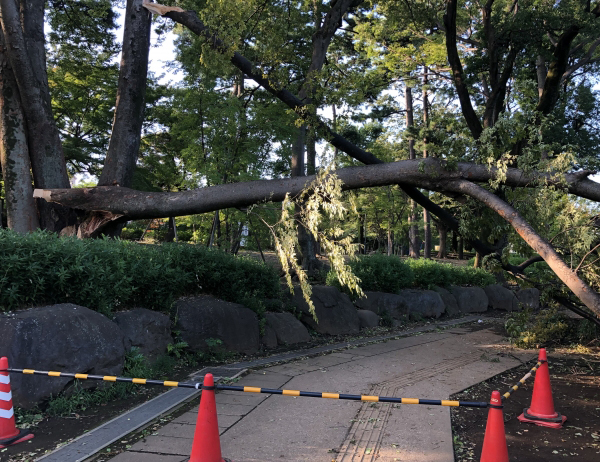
{"x":73,"y":338}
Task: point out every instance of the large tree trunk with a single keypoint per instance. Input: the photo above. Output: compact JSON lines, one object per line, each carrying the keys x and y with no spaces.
{"x":26,"y":53}
{"x":426,"y":217}
{"x":308,"y":243}
{"x":443,"y":232}
{"x":14,"y":153}
{"x":454,"y":245}
{"x":171,"y":231}
{"x":124,"y":144}
{"x":584,"y":292}
{"x":129,"y":113}
{"x":413,"y":233}
{"x":428,"y":174}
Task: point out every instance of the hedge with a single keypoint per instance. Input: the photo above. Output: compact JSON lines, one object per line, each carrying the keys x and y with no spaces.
{"x":390,"y":274}
{"x":429,"y":273}
{"x":104,"y":274}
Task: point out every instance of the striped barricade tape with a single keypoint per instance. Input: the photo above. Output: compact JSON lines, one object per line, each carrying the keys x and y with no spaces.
{"x":309,"y":394}
{"x":522,"y":381}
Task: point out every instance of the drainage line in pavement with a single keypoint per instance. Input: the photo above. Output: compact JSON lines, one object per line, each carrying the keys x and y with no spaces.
{"x":522,"y":381}
{"x":310,"y":394}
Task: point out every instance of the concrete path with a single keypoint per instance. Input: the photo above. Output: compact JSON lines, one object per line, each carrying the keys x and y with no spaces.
{"x":257,"y":427}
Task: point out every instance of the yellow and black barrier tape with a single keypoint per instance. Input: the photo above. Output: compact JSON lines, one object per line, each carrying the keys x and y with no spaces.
{"x":522,"y":381}
{"x":376,"y":399}
{"x":309,"y":394}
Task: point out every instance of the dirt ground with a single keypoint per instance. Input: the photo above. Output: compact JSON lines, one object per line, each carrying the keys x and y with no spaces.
{"x":575,"y":380}
{"x":50,"y":432}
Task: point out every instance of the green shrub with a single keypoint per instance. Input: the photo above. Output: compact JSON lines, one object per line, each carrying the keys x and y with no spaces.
{"x":379,"y":273}
{"x":131,"y":234}
{"x":429,"y":273}
{"x":390,"y":274}
{"x":104,"y":274}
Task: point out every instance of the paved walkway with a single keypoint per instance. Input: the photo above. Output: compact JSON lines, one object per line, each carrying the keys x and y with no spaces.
{"x":257,"y":427}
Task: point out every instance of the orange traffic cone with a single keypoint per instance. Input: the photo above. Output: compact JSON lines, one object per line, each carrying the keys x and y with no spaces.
{"x":206,"y":446}
{"x":9,"y":433}
{"x":494,"y":441}
{"x":541,"y":412}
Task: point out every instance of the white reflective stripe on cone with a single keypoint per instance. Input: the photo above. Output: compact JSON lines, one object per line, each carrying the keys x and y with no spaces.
{"x":5,"y":396}
{"x":4,"y":414}
{"x":4,"y":378}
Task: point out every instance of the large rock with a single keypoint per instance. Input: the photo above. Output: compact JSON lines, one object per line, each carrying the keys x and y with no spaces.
{"x":500,"y":298}
{"x":368,"y":319}
{"x":149,"y":331}
{"x":269,"y":339}
{"x":449,"y":301}
{"x":205,"y":317}
{"x":529,"y":298}
{"x":384,"y":304}
{"x":288,"y":329}
{"x":470,"y":299}
{"x":425,"y":303}
{"x":335,"y":312}
{"x":65,"y":337}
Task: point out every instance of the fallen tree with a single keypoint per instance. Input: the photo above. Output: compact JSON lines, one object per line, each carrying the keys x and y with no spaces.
{"x":107,"y":205}
{"x":431,"y":173}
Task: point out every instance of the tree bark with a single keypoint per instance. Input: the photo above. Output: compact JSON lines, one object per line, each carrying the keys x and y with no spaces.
{"x":32,"y":14}
{"x":171,"y":231}
{"x":311,"y":153}
{"x":124,"y":144}
{"x":426,"y":217}
{"x":462,"y":91}
{"x":556,"y":69}
{"x":584,"y":292}
{"x":129,"y":113}
{"x":14,"y":153}
{"x":413,"y":233}
{"x":213,"y":228}
{"x":541,"y":72}
{"x":443,"y":232}
{"x":305,"y":141}
{"x":423,"y":173}
{"x":45,"y":148}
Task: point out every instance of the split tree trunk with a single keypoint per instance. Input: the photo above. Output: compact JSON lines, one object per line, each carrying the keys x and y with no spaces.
{"x":124,"y":144}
